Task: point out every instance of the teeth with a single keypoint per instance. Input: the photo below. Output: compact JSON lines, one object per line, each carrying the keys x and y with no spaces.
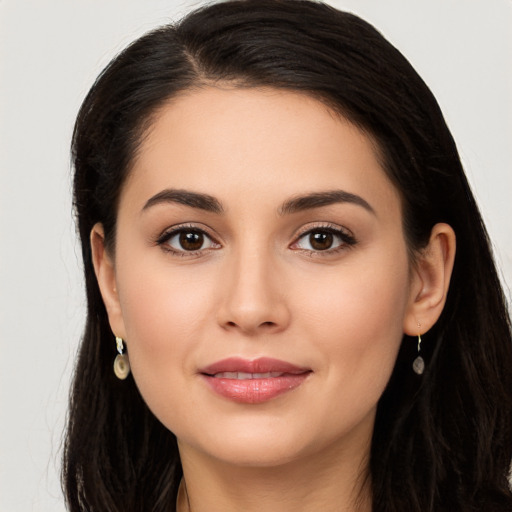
{"x":246,"y":376}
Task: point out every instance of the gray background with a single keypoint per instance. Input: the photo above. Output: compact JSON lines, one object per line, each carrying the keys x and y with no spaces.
{"x":50,"y":53}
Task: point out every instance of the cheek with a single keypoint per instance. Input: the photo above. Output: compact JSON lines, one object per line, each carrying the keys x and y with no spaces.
{"x":355,"y":324}
{"x":164,"y":314}
{"x":356,"y":319}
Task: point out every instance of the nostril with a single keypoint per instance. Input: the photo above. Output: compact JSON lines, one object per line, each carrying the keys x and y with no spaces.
{"x":262,"y":325}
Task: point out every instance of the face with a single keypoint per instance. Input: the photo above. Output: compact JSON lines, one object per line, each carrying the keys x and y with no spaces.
{"x":261,"y":276}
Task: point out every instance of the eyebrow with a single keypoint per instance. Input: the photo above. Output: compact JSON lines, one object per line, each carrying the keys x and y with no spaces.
{"x":319,"y":199}
{"x":296,"y":204}
{"x":187,"y":198}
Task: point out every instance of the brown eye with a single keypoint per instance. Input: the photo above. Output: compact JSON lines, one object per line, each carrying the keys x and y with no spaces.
{"x":187,"y":240}
{"x":324,"y":239}
{"x":191,"y":240}
{"x":321,"y":241}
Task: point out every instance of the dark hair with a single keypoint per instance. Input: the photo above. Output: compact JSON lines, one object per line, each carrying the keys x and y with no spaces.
{"x":442,"y":441}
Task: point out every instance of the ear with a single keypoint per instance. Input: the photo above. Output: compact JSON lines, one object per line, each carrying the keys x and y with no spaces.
{"x":106,"y":277}
{"x":430,"y":281}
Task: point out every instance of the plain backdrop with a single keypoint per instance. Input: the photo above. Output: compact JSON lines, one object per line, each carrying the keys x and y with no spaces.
{"x":50,"y":53}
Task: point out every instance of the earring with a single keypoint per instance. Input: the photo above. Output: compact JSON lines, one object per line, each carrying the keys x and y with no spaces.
{"x":121,"y":362}
{"x":418,"y":364}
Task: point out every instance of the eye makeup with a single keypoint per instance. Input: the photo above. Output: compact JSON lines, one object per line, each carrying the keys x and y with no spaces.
{"x":187,"y":240}
{"x":322,"y":239}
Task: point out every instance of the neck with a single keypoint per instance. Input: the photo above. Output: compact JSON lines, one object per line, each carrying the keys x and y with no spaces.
{"x":335,"y":480}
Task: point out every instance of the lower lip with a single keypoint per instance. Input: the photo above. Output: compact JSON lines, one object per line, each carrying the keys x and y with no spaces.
{"x":255,"y":391}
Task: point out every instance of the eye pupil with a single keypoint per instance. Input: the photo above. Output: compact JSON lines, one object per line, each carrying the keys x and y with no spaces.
{"x":321,"y":241}
{"x":191,"y":241}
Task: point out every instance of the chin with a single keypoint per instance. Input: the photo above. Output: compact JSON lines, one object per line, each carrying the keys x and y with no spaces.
{"x":262,"y":454}
{"x":249,"y":447}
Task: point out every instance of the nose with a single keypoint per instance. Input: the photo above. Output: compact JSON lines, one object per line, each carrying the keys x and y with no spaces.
{"x":254,"y":298}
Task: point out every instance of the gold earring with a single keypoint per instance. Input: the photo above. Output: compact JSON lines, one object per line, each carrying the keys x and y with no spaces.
{"x":121,"y":362}
{"x":418,"y":364}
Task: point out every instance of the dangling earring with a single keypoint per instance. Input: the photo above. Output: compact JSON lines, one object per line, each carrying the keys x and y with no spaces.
{"x":121,"y":362}
{"x":418,"y":364}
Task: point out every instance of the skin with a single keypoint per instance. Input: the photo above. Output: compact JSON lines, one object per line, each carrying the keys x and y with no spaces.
{"x":258,"y":287}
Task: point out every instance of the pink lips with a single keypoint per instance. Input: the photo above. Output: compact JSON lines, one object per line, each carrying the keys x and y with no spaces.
{"x":255,"y":381}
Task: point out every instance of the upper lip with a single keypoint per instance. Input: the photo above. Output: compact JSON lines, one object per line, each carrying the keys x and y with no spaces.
{"x":260,"y":365}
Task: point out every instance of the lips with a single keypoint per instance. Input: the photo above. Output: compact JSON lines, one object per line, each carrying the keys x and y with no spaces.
{"x":245,"y":375}
{"x":253,"y":381}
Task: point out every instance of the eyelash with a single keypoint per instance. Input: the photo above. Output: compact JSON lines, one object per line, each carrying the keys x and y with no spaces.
{"x":347,"y":240}
{"x":164,"y":238}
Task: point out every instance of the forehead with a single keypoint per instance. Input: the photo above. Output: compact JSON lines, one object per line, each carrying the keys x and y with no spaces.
{"x":216,"y":140}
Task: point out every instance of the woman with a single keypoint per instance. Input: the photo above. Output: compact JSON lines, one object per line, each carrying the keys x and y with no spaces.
{"x":282,"y":249}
